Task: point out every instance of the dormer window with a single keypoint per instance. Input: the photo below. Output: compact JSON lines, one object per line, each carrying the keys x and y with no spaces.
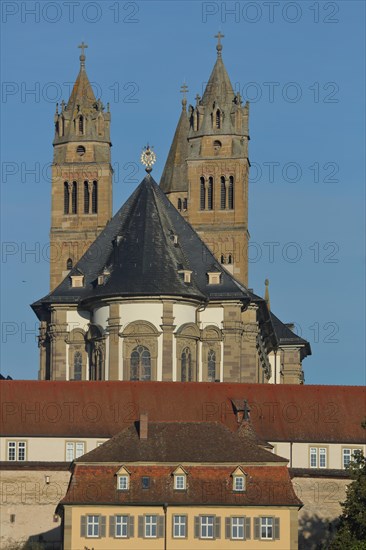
{"x":187,"y":274}
{"x":180,"y":479}
{"x":77,"y":281}
{"x":123,"y":483}
{"x":123,"y":479}
{"x":239,"y":480}
{"x":214,"y":277}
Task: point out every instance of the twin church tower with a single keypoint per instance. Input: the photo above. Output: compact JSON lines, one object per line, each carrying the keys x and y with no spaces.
{"x":159,"y":290}
{"x":205,"y":176}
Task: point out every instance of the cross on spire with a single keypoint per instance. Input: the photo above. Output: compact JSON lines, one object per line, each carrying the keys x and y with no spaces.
{"x":82,"y":46}
{"x":219,"y":45}
{"x":184,"y":90}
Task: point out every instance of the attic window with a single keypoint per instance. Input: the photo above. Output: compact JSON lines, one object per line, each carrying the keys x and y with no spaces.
{"x":214,"y":277}
{"x":80,"y":150}
{"x":77,"y":281}
{"x":239,"y":481}
{"x":100,"y":279}
{"x":123,"y":482}
{"x":186,"y":275}
{"x":179,"y":482}
{"x":145,"y":482}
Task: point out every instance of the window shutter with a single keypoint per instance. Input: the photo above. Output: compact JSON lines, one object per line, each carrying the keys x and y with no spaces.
{"x":247,"y":528}
{"x":227,"y":528}
{"x":217,"y":527}
{"x":196,"y":527}
{"x":83,"y":526}
{"x":111,"y":526}
{"x":256,"y":528}
{"x":160,"y":527}
{"x":141,"y":527}
{"x":102,"y":525}
{"x":276,"y":528}
{"x":131,"y":527}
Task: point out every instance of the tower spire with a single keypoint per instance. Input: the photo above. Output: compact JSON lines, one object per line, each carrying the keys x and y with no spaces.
{"x":219,"y":45}
{"x":82,"y":57}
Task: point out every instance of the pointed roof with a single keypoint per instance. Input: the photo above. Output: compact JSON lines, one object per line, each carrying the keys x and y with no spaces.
{"x":175,"y":174}
{"x":144,"y":247}
{"x":218,"y":87}
{"x":82,"y":93}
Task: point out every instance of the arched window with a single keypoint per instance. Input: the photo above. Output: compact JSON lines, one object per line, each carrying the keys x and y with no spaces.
{"x":74,"y":198}
{"x":186,"y":365}
{"x":222,"y":259}
{"x":230,"y":259}
{"x":211,"y":370}
{"x":95,"y":197}
{"x":179,"y":204}
{"x":231,"y":193}
{"x":69,"y":264}
{"x":223,"y":193}
{"x":66,"y":198}
{"x":218,"y":119}
{"x":78,"y":365}
{"x":202,"y":194}
{"x":81,"y":125}
{"x":140,"y":364}
{"x":86,"y":197}
{"x":185,"y":204}
{"x":210,"y":194}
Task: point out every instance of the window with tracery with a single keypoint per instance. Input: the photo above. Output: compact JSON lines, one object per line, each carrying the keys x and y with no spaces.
{"x":140,"y":364}
{"x":186,"y":365}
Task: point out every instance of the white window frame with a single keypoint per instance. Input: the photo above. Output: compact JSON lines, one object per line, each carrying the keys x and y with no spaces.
{"x":207,"y":522}
{"x":180,"y":521}
{"x":150,"y":522}
{"x":177,"y":479}
{"x":93,"y":521}
{"x":74,"y":449}
{"x":266,"y":523}
{"x":18,"y":450}
{"x":352,"y":451}
{"x":318,"y":457}
{"x":121,"y":521}
{"x":125,"y":478}
{"x":237,"y":522}
{"x":240,"y":488}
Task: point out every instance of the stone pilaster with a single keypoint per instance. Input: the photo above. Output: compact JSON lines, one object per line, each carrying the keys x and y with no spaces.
{"x":292,"y":369}
{"x":168,"y":328}
{"x":58,"y":336}
{"x":249,"y":352}
{"x":114,"y":327}
{"x":42,"y":350}
{"x":233,"y":333}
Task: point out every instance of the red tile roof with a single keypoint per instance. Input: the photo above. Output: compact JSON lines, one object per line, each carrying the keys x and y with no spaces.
{"x":206,"y":485}
{"x":102,"y":409}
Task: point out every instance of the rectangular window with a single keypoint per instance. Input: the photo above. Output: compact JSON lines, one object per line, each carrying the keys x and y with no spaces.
{"x":313,"y":457}
{"x":322,"y":458}
{"x":179,"y":527}
{"x":239,"y":483}
{"x":121,"y":526}
{"x":123,"y":483}
{"x":180,"y":482}
{"x":346,"y":457}
{"x":92,"y":526}
{"x":266,"y":528}
{"x":74,"y":449}
{"x":237,"y":528}
{"x":151,"y":526}
{"x":145,"y":482}
{"x":17,"y":450}
{"x":207,"y":527}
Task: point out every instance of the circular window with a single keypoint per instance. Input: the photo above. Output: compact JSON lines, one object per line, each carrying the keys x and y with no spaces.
{"x":217,"y":145}
{"x":80,"y":150}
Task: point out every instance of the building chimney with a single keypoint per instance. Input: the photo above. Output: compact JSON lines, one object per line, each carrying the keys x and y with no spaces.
{"x":143,"y":425}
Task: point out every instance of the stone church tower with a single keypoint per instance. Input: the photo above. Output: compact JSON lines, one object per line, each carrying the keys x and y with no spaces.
{"x":206,"y":174}
{"x":81,"y":176}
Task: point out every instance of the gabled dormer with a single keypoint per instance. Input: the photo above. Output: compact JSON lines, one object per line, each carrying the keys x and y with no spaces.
{"x":239,"y":480}
{"x":180,"y":478}
{"x":123,"y":479}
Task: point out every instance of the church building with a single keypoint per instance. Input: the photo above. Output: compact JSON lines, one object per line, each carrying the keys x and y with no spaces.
{"x":159,"y":290}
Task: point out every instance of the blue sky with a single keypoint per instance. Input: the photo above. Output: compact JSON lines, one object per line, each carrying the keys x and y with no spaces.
{"x":301,"y":65}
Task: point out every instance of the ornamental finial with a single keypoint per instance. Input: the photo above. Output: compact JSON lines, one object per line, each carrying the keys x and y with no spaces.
{"x":219,"y":45}
{"x":82,"y":58}
{"x":148,"y":158}
{"x":184,"y":90}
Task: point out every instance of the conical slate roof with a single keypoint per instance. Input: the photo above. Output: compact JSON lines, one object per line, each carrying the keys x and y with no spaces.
{"x":141,"y":253}
{"x":218,"y":87}
{"x":175,"y":174}
{"x":82,"y":93}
